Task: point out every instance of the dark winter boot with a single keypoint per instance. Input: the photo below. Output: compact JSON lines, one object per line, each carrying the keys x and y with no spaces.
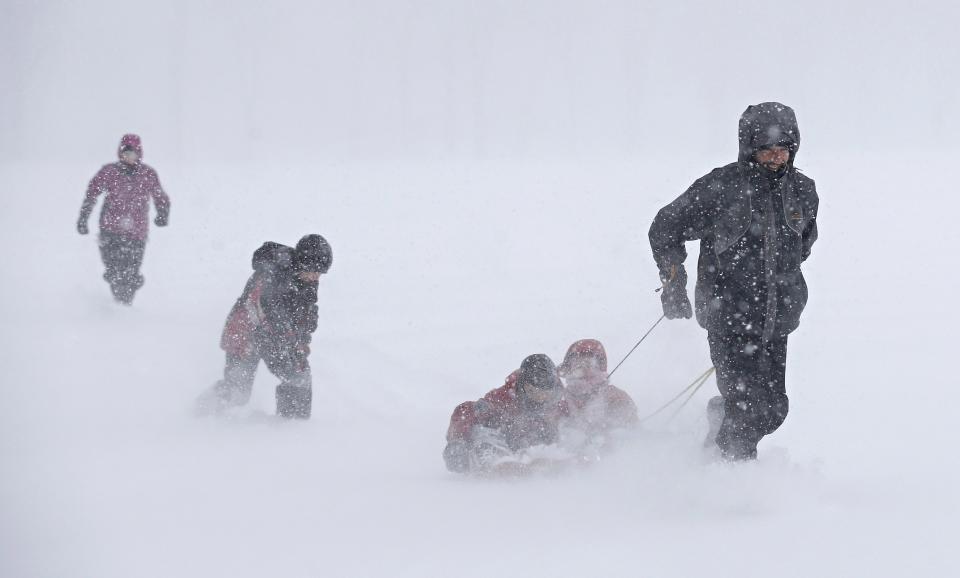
{"x":737,"y":442}
{"x":122,"y":293}
{"x":294,"y":401}
{"x":714,"y":420}
{"x":125,"y":286}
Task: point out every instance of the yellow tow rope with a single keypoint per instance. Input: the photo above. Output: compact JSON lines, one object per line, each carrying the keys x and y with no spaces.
{"x":695,"y":386}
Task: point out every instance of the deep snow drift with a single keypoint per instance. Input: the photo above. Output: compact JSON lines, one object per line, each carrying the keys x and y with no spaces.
{"x":452,"y":264}
{"x":107,"y":474}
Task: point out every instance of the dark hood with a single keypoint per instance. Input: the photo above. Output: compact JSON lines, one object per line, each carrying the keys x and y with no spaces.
{"x":272,"y":257}
{"x":537,"y":371}
{"x":768,"y":124}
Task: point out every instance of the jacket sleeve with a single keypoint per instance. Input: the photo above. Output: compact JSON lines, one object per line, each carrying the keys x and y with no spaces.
{"x":461,"y":422}
{"x":274,"y":307}
{"x":160,"y":198}
{"x":456,"y":454}
{"x":685,"y":219}
{"x":308,"y":321}
{"x":485,"y":412}
{"x":809,"y":235}
{"x":622,"y":410}
{"x":303,"y":309}
{"x":98,"y":184}
{"x":295,"y":313}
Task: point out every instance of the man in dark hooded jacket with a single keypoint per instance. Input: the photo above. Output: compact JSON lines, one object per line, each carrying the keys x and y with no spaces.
{"x":273,"y":321}
{"x":756,"y":220}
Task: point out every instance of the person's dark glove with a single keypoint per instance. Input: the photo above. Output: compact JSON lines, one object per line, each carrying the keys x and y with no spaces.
{"x":302,"y":348}
{"x":82,"y":227}
{"x":676,"y":304}
{"x":160,"y":221}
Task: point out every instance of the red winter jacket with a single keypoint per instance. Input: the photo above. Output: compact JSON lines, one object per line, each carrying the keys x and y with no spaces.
{"x":129,"y":190}
{"x":244,"y":318}
{"x":502,"y":410}
{"x":595,"y":405}
{"x":608,"y":407}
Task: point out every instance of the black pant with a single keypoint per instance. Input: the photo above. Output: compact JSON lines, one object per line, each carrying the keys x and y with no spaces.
{"x":122,"y":257}
{"x":294,"y":393}
{"x":750,"y":375}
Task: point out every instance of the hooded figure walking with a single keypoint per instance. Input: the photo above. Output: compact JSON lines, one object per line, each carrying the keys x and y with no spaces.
{"x":129,"y":185}
{"x":273,"y":321}
{"x":756,"y":220}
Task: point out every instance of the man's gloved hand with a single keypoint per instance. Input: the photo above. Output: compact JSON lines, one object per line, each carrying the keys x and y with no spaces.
{"x":82,"y":227}
{"x":160,"y":221}
{"x":676,"y":304}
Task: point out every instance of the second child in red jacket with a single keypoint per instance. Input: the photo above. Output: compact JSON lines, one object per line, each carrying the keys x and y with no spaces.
{"x":595,"y":406}
{"x":524,"y":412}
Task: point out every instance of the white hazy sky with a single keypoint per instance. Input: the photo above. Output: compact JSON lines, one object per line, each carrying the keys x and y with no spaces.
{"x":492,"y":79}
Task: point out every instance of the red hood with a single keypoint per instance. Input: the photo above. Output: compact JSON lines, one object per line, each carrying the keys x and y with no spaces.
{"x":130,"y":141}
{"x":585,"y":349}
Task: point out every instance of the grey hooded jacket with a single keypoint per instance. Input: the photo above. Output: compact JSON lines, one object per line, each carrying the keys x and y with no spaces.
{"x":755,"y":229}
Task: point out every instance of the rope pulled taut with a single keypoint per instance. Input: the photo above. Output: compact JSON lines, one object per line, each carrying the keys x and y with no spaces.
{"x":657,"y":322}
{"x":695,"y":386}
{"x":692,"y":388}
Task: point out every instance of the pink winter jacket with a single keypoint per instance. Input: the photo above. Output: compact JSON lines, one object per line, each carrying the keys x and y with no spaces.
{"x":128,"y":191}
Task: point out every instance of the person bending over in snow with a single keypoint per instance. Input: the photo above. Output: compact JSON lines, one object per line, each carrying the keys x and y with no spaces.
{"x":273,"y":320}
{"x":488,"y":435}
{"x":596,"y":407}
{"x":129,"y":185}
{"x":756,"y":220}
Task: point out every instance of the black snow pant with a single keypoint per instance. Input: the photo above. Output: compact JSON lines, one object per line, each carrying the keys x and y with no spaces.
{"x":750,"y":375}
{"x":122,"y":257}
{"x":294,"y":394}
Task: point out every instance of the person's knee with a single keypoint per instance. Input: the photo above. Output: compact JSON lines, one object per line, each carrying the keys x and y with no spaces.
{"x":291,"y":367}
{"x":735,"y":387}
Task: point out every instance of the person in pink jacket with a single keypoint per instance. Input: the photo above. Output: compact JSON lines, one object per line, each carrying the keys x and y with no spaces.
{"x":129,"y":185}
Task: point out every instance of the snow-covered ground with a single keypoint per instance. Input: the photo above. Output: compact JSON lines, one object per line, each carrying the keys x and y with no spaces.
{"x":107,"y":474}
{"x":448,"y":270}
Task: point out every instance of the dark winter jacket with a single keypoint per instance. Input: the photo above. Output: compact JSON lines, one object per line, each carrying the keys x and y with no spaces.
{"x":275,"y":306}
{"x":128,"y":192}
{"x":755,"y":229}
